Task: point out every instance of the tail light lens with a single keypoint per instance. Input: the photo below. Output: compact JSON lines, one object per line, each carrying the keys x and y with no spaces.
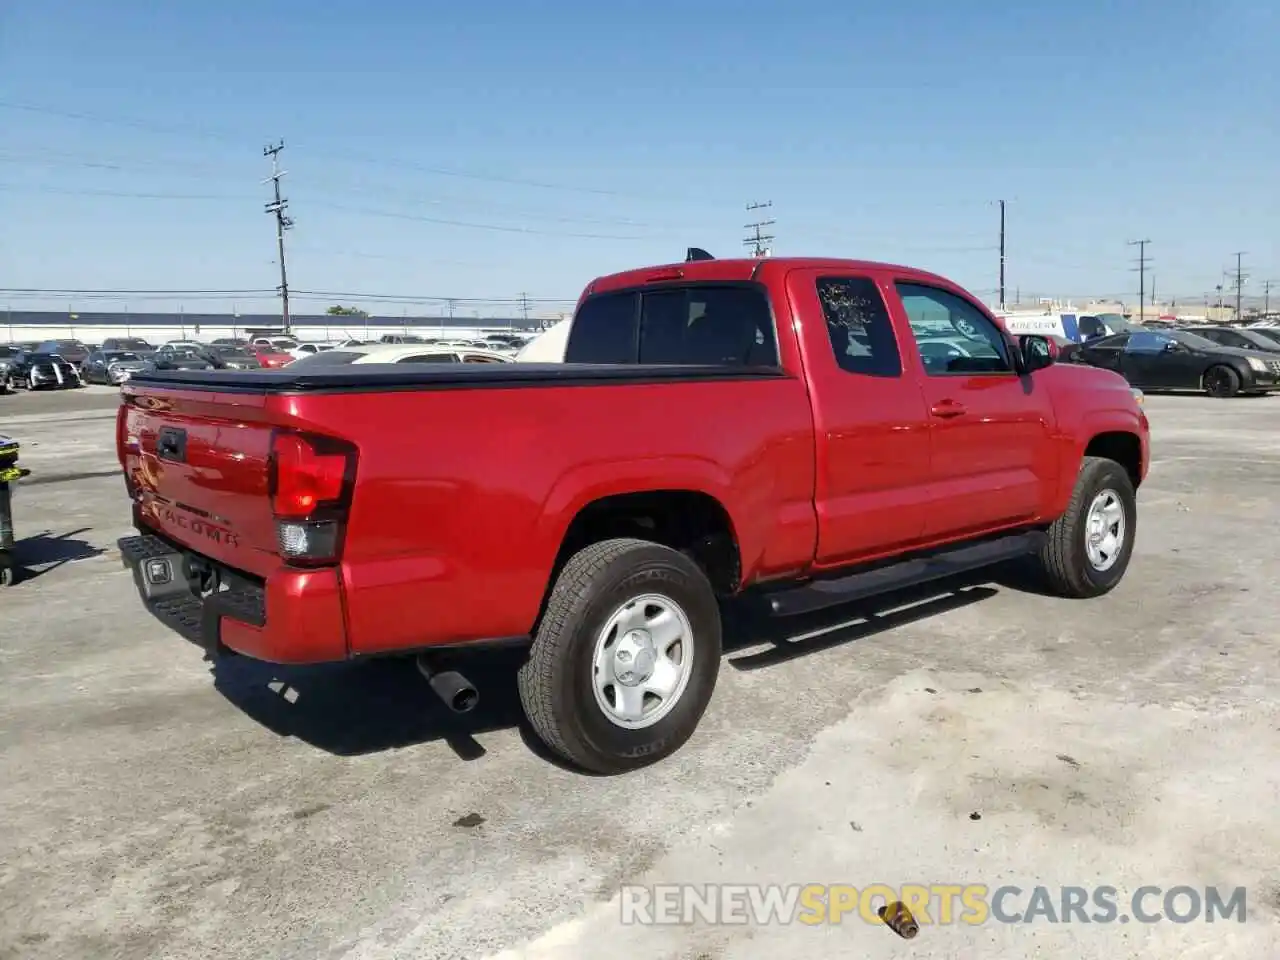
{"x":121,"y":413}
{"x":310,"y":482}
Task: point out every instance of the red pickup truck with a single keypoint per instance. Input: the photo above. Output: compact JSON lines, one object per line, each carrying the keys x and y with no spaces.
{"x":805,"y":431}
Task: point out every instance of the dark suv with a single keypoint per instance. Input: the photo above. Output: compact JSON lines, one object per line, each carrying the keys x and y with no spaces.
{"x":72,"y":351}
{"x":127,"y":344}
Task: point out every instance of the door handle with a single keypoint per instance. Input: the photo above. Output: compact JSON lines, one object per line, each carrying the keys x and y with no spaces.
{"x":947,"y":409}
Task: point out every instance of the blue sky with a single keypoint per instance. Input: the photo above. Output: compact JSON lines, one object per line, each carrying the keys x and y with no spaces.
{"x":490,"y":150}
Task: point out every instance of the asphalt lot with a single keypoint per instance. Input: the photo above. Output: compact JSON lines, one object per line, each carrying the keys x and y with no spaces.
{"x":155,"y":808}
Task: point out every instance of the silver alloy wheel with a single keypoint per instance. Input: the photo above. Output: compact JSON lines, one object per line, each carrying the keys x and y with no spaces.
{"x":1104,"y":530}
{"x":643,"y":661}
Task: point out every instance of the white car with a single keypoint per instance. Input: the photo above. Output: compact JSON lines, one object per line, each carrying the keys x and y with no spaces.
{"x":399,"y":353}
{"x":548,"y":346}
{"x":308,"y":349}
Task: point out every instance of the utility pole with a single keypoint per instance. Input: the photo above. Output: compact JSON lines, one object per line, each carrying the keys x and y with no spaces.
{"x":278,"y":206}
{"x":1002,"y":302}
{"x":1239,"y":281}
{"x":1153,"y":291}
{"x":1142,"y":277}
{"x":757,"y":240}
{"x":1266,"y":298}
{"x":524,"y":307}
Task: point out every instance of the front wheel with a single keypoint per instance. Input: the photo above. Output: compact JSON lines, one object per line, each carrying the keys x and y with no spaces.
{"x":1089,"y":546}
{"x":625,"y":659}
{"x":1221,"y":382}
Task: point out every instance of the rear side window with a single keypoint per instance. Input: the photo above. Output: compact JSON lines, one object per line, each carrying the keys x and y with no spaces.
{"x":859,"y":327}
{"x":708,"y":326}
{"x":604,"y":331}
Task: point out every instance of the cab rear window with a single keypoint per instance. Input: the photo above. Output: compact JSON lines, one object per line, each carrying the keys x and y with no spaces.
{"x":697,"y":324}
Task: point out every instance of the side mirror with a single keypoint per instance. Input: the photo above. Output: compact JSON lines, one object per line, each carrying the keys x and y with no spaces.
{"x":1173,"y":346}
{"x":1037,"y":352}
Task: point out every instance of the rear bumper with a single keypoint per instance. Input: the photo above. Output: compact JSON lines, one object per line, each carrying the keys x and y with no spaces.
{"x":293,"y":616}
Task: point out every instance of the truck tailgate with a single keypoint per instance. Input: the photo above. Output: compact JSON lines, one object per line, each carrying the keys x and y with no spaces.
{"x":197,"y":465}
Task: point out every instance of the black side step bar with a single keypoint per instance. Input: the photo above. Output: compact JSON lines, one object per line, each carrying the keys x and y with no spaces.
{"x":819,"y":594}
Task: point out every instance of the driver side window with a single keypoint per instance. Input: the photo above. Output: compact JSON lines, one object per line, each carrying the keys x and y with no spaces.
{"x":1148,"y":343}
{"x":953,"y":337}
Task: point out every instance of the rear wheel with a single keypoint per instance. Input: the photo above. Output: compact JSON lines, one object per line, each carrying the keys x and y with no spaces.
{"x":625,"y":658}
{"x":1089,"y":546}
{"x":1221,"y":382}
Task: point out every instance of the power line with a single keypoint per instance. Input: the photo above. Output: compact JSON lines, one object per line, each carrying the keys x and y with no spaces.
{"x":1143,"y":261}
{"x":277,"y":208}
{"x":116,"y":291}
{"x":202,"y":133}
{"x":121,"y":194}
{"x":419,"y":298}
{"x":396,"y":215}
{"x":757,"y":240}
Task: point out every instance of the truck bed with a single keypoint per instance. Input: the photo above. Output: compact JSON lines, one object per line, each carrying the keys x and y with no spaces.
{"x":400,"y":376}
{"x":460,"y":500}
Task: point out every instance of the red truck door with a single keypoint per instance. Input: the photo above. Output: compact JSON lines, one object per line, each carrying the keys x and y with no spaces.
{"x":871,"y":429}
{"x":993,"y":455}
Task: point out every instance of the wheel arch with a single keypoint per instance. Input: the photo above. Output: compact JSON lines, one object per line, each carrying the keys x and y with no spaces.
{"x":685,"y":519}
{"x":1122,"y":446}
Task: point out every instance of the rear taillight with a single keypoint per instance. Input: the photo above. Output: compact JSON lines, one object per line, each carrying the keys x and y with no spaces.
{"x":125,"y":445}
{"x":310,"y":484}
{"x":121,"y":414}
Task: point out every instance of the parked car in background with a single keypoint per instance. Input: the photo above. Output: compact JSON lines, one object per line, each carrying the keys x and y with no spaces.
{"x":231,"y":357}
{"x":36,"y":370}
{"x":307,"y":349}
{"x":548,"y":346}
{"x":762,"y":426}
{"x":113,"y":366}
{"x":1177,"y":360}
{"x":131,"y":344}
{"x":1242,"y":339}
{"x":1270,"y":333}
{"x":179,"y":356}
{"x":278,"y":344}
{"x":400,"y":353}
{"x":72,"y":351}
{"x":230,"y":342}
{"x":8,"y":354}
{"x":271,"y":357}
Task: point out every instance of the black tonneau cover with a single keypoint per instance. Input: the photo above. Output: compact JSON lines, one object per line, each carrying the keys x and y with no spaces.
{"x":453,"y":376}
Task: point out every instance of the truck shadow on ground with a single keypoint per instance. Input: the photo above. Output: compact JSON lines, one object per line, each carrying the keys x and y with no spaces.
{"x":356,"y":708}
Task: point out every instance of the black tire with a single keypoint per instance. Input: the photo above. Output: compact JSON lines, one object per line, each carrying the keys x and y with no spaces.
{"x":1064,"y":561}
{"x":1221,"y":381}
{"x":557,"y":683}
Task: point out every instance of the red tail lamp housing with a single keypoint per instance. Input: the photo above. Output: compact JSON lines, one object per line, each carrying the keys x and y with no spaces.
{"x":310,"y":481}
